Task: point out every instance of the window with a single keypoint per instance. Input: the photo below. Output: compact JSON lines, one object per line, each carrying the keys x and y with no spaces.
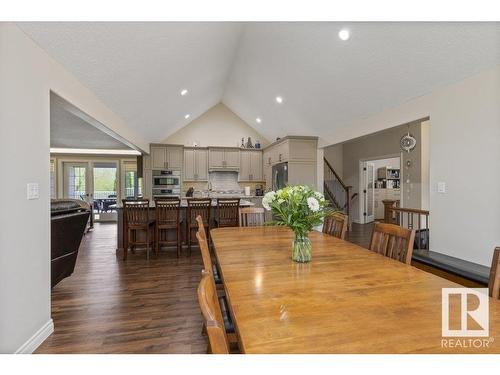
{"x":130,"y":179}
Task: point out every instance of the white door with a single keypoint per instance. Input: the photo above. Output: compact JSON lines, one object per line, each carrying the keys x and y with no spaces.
{"x":369,"y":179}
{"x":76,"y":183}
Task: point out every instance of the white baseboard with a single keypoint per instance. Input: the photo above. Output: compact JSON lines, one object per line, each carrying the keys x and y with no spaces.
{"x":36,"y":340}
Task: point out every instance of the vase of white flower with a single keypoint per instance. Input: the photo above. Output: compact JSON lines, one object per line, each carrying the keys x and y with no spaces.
{"x":300,"y":208}
{"x":301,"y":248}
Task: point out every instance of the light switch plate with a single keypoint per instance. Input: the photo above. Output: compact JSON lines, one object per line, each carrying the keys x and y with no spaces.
{"x":441,"y":187}
{"x":32,"y":190}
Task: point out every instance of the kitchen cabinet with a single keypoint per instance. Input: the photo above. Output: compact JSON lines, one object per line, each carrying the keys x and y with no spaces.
{"x":195,"y":164}
{"x":268,"y":170}
{"x":301,"y":155}
{"x":224,"y":158}
{"x":250,"y":165}
{"x":166,"y":157}
{"x":291,"y":149}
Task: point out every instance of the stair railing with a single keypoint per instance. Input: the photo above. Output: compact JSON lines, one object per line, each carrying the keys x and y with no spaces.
{"x":336,"y":191}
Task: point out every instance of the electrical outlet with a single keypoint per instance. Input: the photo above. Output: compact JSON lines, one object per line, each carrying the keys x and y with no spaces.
{"x":441,"y":187}
{"x":32,"y":191}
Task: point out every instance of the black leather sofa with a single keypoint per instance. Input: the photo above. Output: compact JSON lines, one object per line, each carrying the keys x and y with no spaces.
{"x":68,"y":221}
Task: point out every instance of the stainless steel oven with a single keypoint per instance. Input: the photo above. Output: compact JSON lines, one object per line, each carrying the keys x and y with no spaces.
{"x":166,"y":183}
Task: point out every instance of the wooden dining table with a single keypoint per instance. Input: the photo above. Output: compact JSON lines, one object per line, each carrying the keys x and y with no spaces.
{"x":346,"y":300}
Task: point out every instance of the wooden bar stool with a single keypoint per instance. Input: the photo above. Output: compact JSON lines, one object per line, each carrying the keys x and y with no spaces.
{"x":167,"y":212}
{"x":137,"y":225}
{"x":197,"y":207}
{"x":228,"y":212}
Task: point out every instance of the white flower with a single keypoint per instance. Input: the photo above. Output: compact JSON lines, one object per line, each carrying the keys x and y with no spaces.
{"x":267,"y":200}
{"x":313,"y":204}
{"x":319,"y":196}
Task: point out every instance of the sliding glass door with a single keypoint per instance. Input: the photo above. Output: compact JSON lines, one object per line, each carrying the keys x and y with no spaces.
{"x":105,"y":190}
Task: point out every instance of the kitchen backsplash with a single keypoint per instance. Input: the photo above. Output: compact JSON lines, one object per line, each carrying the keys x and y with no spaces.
{"x":222,"y":181}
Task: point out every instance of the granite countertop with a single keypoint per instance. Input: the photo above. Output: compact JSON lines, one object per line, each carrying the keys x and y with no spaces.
{"x":243,"y":203}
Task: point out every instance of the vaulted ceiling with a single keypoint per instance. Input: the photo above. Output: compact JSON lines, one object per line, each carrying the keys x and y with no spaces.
{"x":139,"y":69}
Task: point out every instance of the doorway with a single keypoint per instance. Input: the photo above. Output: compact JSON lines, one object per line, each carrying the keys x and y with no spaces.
{"x":380,"y":179}
{"x":95,"y":182}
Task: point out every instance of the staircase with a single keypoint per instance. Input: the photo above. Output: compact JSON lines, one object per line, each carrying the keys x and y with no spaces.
{"x":336,"y":192}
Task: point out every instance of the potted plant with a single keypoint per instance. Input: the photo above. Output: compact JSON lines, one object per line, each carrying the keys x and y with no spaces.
{"x":301,"y":209}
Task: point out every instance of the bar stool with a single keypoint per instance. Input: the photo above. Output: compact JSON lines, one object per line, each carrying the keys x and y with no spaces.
{"x":167,"y":213}
{"x":136,"y":219}
{"x":228,"y":214}
{"x":197,"y":207}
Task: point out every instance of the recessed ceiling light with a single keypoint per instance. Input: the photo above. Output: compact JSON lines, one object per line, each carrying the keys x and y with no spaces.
{"x":187,"y":116}
{"x":279,"y":99}
{"x":184,"y":92}
{"x":259,"y":120}
{"x":344,"y":34}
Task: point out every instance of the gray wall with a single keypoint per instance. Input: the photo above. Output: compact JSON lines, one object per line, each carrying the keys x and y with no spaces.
{"x":379,"y":146}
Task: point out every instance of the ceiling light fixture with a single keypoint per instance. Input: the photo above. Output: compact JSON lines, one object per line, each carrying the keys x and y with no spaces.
{"x":187,"y":116}
{"x":344,"y":34}
{"x":258,"y":119}
{"x":279,"y":99}
{"x":184,"y":92}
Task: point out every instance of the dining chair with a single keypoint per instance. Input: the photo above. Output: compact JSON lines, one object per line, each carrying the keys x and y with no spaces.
{"x":252,"y":216}
{"x":197,"y":207}
{"x":494,"y":283}
{"x":215,"y":322}
{"x":208,"y":265}
{"x":167,"y":213}
{"x":137,"y":221}
{"x":335,"y":224}
{"x":393,"y":241}
{"x":228,"y":212}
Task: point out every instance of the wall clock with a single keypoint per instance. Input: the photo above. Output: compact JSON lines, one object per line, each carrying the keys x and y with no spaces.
{"x":408,"y":142}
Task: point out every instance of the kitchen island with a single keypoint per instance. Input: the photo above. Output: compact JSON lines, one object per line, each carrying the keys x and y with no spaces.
{"x":183,"y":214}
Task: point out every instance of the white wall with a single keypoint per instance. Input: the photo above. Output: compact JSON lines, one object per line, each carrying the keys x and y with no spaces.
{"x":27,"y":74}
{"x":218,"y":126}
{"x":465,"y":153}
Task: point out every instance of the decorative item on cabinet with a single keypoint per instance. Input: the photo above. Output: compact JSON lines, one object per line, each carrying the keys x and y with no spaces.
{"x":257,"y":144}
{"x":249,"y":143}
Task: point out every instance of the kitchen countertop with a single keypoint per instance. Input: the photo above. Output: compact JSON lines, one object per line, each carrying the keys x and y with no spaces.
{"x":243,"y":202}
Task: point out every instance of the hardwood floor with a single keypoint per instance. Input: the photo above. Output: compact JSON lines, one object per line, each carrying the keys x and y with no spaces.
{"x":112,"y":306}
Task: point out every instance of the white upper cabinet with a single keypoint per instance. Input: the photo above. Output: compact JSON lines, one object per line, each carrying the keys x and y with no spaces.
{"x":224,"y":158}
{"x":250,"y":165}
{"x":158,"y":157}
{"x":166,"y":157}
{"x":195,"y":164}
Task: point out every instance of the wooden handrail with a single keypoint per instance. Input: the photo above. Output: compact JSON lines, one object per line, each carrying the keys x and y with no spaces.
{"x":411,"y":218}
{"x":335,"y":174}
{"x":410,"y":210}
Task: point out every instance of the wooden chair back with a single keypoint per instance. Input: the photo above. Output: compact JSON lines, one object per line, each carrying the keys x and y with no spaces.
{"x":393,"y":241}
{"x":494,"y":284}
{"x":212,"y":314}
{"x":228,"y":212}
{"x":167,"y":212}
{"x":199,"y":207}
{"x":205,"y":252}
{"x":252,"y":216}
{"x":335,"y":225}
{"x":136,"y":212}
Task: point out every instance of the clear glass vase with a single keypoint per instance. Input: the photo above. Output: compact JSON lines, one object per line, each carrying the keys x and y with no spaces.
{"x":301,"y":248}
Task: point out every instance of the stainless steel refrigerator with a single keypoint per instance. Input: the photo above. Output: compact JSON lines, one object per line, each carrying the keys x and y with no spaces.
{"x":280,"y":176}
